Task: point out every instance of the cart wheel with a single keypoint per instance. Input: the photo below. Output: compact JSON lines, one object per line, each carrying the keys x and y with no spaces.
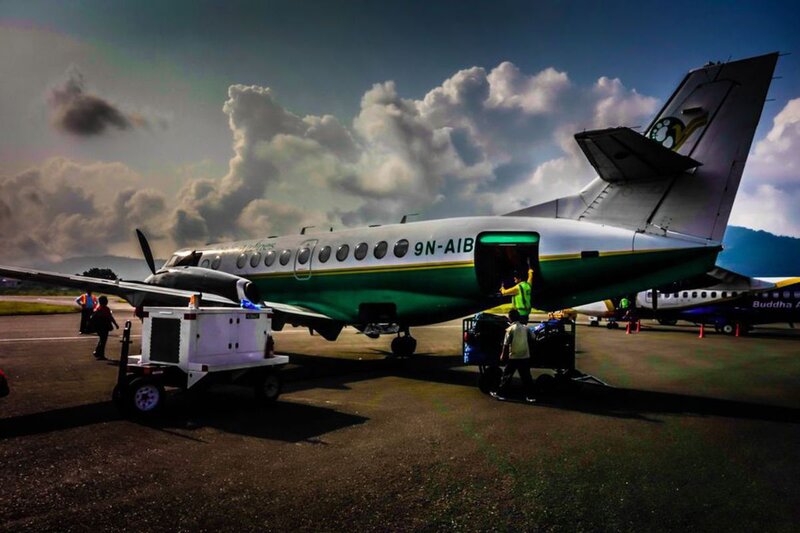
{"x":545,"y":384}
{"x":489,"y":380}
{"x":268,"y":387}
{"x":145,"y":396}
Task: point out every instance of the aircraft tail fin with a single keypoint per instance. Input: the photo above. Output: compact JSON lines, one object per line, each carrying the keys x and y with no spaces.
{"x":682,"y":175}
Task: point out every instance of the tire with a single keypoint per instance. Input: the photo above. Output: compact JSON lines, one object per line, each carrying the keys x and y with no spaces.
{"x":728,"y":329}
{"x":546,"y":384}
{"x":144,"y":396}
{"x":489,"y":380}
{"x":268,"y":387}
{"x":404,"y":346}
{"x":667,"y":322}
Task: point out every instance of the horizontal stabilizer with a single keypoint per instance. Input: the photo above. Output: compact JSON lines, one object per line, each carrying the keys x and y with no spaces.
{"x":621,"y":154}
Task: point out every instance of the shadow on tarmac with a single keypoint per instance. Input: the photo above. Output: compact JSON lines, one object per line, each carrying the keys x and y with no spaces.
{"x":232,"y":409}
{"x":581,"y":397}
{"x":183,"y":414}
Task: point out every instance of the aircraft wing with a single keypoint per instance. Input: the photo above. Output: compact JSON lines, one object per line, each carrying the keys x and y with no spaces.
{"x":621,"y":154}
{"x":296,"y":315}
{"x":135,"y":292}
{"x":737,"y":281}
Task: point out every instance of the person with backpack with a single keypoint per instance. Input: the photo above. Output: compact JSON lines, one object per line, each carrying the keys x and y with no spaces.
{"x":102,"y":322}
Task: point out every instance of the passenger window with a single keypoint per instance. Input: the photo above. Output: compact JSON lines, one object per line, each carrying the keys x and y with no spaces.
{"x":786,"y":294}
{"x":286,"y":255}
{"x":703,"y":294}
{"x":649,"y":293}
{"x":341,"y":253}
{"x":676,"y":295}
{"x":255,"y":259}
{"x":269,"y":258}
{"x":714,"y":294}
{"x":204,"y":263}
{"x":797,"y":294}
{"x":694,"y":295}
{"x":241,"y":260}
{"x":303,"y":256}
{"x":724,"y":294}
{"x":401,"y":248}
{"x":380,"y":250}
{"x":734,"y":294}
{"x":775,"y":294}
{"x":324,"y":254}
{"x":685,"y":294}
{"x":361,"y":251}
{"x":215,"y":263}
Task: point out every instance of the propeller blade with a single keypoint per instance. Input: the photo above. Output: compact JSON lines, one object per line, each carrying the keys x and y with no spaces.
{"x":148,"y":254}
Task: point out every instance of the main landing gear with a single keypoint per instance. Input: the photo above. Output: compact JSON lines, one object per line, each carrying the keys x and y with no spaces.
{"x":404,"y":345}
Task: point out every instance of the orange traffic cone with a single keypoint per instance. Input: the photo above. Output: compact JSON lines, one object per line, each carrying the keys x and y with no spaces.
{"x":638,"y":326}
{"x":628,"y":328}
{"x":737,"y":329}
{"x":701,"y":332}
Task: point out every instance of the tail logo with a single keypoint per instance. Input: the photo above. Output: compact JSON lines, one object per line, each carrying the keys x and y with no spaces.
{"x":671,"y":133}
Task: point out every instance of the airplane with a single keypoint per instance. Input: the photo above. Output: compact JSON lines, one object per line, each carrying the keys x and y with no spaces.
{"x":656,"y":212}
{"x":736,"y":301}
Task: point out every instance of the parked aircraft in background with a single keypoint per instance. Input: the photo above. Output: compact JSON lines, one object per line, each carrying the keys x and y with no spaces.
{"x":656,"y":213}
{"x":739,"y":300}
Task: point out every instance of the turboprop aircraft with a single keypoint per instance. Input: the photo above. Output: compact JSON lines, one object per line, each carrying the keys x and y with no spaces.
{"x":656,"y":213}
{"x":735,"y":300}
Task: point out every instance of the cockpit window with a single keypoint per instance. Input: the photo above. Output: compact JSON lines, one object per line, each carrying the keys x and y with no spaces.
{"x":184,"y":259}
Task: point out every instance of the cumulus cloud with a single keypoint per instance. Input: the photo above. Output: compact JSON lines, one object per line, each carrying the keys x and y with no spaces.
{"x":480,"y":142}
{"x":770,"y":189}
{"x":64,"y":208}
{"x":77,"y":112}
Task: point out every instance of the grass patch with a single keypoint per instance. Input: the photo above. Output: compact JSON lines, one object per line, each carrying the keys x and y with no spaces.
{"x":34,"y":308}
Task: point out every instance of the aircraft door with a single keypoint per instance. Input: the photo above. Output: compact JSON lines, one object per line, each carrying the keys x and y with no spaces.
{"x":304,"y":258}
{"x":501,"y":254}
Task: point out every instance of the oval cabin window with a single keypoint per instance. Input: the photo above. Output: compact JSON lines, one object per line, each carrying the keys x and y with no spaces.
{"x":269,"y":259}
{"x":303,"y":256}
{"x":286,"y":255}
{"x":341,"y":253}
{"x":255,"y":259}
{"x":401,"y":248}
{"x":241,"y":260}
{"x":380,"y":249}
{"x":324,"y":254}
{"x":361,"y":251}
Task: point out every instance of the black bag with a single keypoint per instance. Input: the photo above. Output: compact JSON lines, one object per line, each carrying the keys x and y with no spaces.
{"x":99,"y":322}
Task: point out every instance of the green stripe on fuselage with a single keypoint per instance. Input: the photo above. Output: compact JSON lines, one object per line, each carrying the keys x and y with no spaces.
{"x":436,"y":292}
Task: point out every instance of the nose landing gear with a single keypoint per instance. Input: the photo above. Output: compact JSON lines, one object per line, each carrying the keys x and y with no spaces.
{"x":404,"y":345}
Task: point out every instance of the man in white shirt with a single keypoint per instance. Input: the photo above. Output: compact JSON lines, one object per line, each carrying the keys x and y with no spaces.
{"x":516,"y":351}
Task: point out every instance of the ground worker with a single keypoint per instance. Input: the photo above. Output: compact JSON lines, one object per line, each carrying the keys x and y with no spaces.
{"x":87,"y":303}
{"x":521,"y":291}
{"x":102,"y":322}
{"x":516,"y":353}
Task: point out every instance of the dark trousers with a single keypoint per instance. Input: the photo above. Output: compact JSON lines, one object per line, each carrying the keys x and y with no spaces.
{"x":523,"y":366}
{"x":85,"y":315}
{"x":100,"y":349}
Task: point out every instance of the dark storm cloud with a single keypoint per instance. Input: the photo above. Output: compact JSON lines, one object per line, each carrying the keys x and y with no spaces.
{"x":78,"y":113}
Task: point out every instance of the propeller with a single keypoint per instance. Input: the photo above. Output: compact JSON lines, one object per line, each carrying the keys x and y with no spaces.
{"x":148,"y":254}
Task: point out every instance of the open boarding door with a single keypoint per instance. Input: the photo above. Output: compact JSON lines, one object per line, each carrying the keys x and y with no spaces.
{"x":499,"y":255}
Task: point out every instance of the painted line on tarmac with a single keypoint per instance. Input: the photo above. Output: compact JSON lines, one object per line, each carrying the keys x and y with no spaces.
{"x":40,"y":339}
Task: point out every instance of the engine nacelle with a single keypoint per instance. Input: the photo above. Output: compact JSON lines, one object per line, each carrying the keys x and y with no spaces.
{"x":205,"y":280}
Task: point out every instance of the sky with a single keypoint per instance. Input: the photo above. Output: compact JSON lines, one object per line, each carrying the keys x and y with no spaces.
{"x":208,"y":121}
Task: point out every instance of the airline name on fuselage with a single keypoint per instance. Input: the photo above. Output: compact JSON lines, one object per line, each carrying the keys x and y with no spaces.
{"x":775,"y":305}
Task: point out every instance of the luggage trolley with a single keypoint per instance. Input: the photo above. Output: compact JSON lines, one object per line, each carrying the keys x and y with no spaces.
{"x":194,"y":347}
{"x":552,"y":345}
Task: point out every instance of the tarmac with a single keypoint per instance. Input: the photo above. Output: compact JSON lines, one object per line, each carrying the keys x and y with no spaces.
{"x":692,"y":433}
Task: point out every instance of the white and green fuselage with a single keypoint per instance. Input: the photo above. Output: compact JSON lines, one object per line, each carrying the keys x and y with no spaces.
{"x":454,"y":267}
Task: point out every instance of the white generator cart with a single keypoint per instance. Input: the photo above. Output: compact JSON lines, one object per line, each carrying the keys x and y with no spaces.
{"x":187,"y":347}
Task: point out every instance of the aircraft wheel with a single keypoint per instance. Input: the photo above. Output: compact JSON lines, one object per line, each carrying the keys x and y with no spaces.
{"x":728,"y":328}
{"x":489,"y":380}
{"x":667,"y":322}
{"x":404,"y":346}
{"x":268,"y":387}
{"x":144,"y":396}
